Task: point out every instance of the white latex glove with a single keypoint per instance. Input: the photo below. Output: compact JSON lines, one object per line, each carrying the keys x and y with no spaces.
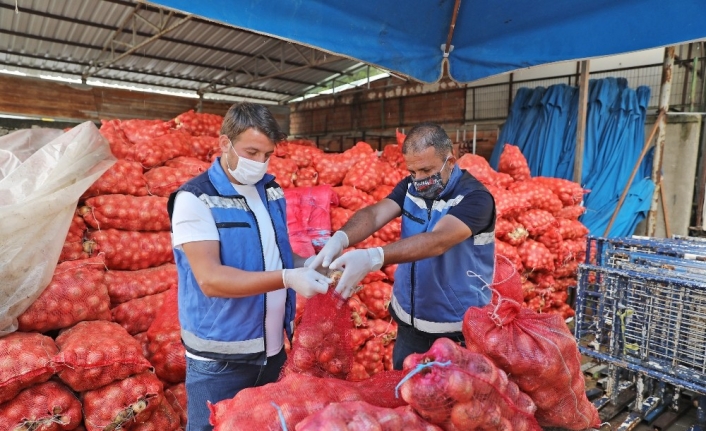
{"x":320,"y":269}
{"x":305,"y":281}
{"x":333,"y":248}
{"x":356,"y":265}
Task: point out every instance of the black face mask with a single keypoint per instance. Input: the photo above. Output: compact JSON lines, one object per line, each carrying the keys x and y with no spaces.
{"x":432,"y":186}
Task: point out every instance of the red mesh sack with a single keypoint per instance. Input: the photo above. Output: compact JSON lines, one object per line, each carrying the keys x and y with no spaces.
{"x":551,"y":239}
{"x":571,"y":212}
{"x":392,"y":177}
{"x":391,"y":232}
{"x":510,"y":252}
{"x":119,"y":144}
{"x":339,"y":217}
{"x":191,"y":165}
{"x":536,"y":221}
{"x":507,"y":203}
{"x":513,"y":162}
{"x":144,"y":213}
{"x":133,"y":250}
{"x":176,"y":396}
{"x":157,"y":150}
{"x":309,"y":212}
{"x":478,"y":167}
{"x":76,"y":293}
{"x":77,"y":229}
{"x":47,"y":406}
{"x":389,"y":271}
{"x":166,"y":351}
{"x":540,"y":355}
{"x":267,"y":407}
{"x":124,"y":177}
{"x":303,"y":155}
{"x":352,"y":198}
{"x":506,"y":280}
{"x":361,"y":415}
{"x":332,"y":168}
{"x":381,"y":192}
{"x":141,"y":338}
{"x":537,"y":195}
{"x":462,"y":390}
{"x":284,"y":170}
{"x":321,"y":346}
{"x":204,"y":147}
{"x":571,"y":229}
{"x":392,"y":154}
{"x":93,"y":354}
{"x":143,"y":131}
{"x":136,"y":315}
{"x":73,"y":245}
{"x":536,"y":256}
{"x":306,"y":177}
{"x":164,"y":418}
{"x":365,"y":174}
{"x":569,"y":192}
{"x":123,"y":403}
{"x":510,"y":231}
{"x":199,"y":124}
{"x":126,"y":285}
{"x":25,"y":359}
{"x":376,"y":296}
{"x":164,"y":180}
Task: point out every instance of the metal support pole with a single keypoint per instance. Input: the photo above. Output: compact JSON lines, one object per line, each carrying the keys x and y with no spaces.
{"x":581,"y":124}
{"x":665,"y":92}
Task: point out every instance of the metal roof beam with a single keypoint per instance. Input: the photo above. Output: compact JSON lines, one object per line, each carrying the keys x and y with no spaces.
{"x":163,"y":28}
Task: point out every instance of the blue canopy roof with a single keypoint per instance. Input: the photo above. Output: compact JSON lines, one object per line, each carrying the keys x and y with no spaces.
{"x":489,"y":37}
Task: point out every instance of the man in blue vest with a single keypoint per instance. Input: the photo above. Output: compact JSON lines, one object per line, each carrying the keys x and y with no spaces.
{"x":446,"y":251}
{"x":235,"y":263}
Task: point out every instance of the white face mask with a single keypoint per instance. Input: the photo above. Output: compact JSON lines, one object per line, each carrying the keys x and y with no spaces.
{"x":247,"y":172}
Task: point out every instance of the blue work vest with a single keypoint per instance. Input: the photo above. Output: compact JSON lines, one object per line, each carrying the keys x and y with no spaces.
{"x":232,"y":329}
{"x":433,"y":294}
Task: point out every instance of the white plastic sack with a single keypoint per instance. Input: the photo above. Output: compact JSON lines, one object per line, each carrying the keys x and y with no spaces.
{"x":16,"y":147}
{"x":37,"y":202}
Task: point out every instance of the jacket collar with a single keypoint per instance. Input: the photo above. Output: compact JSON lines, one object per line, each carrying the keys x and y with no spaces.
{"x":223,"y":186}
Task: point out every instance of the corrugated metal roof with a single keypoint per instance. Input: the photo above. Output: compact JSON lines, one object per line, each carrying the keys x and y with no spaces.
{"x":133,"y":43}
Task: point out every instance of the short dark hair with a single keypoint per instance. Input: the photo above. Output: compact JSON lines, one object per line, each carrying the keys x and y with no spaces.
{"x":425,"y":135}
{"x":246,"y":115}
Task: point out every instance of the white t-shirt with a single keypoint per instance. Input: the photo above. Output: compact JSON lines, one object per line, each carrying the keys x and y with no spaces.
{"x":192,"y":221}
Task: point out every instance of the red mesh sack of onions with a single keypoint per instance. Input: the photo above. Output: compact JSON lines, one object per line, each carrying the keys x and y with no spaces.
{"x":569,"y":192}
{"x":156,"y":151}
{"x":164,"y":180}
{"x":47,"y":406}
{"x":381,"y":192}
{"x":571,"y":212}
{"x":365,"y":174}
{"x":536,"y":256}
{"x":536,"y":221}
{"x":457,"y":389}
{"x":537,"y":196}
{"x":176,"y":396}
{"x":295,"y":397}
{"x":166,"y":351}
{"x":303,"y":155}
{"x":136,"y":315}
{"x":124,"y":177}
{"x":25,"y":359}
{"x":73,"y":245}
{"x":133,"y":250}
{"x":376,"y":296}
{"x":190,"y":165}
{"x":510,"y":231}
{"x":204,"y":147}
{"x":478,"y":167}
{"x":391,"y":231}
{"x":76,"y":293}
{"x":510,"y":252}
{"x":199,"y":124}
{"x":285,"y":171}
{"x":306,"y":177}
{"x":360,"y":415}
{"x":144,"y":213}
{"x":164,"y":418}
{"x":93,"y":354}
{"x":339,"y":217}
{"x":332,"y":168}
{"x":507,"y":203}
{"x":512,"y":162}
{"x":539,"y":354}
{"x":143,"y":131}
{"x":352,"y":198}
{"x":119,"y":144}
{"x":321,"y":346}
{"x":392,"y":154}
{"x":571,"y":229}
{"x":122,"y":404}
{"x":126,"y":285}
{"x":392,"y":176}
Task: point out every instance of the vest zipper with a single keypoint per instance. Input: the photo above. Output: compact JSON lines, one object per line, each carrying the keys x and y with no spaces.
{"x":264,"y":268}
{"x":281,"y":258}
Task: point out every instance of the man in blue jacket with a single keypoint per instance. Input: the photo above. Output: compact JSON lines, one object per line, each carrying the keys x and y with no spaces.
{"x":446,"y":251}
{"x":235,"y":263}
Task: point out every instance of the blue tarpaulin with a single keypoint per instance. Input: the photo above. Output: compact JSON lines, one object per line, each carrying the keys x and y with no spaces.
{"x":489,"y":37}
{"x":542,"y":123}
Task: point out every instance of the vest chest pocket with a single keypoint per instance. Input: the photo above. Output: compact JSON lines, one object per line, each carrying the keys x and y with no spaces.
{"x":232,"y":224}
